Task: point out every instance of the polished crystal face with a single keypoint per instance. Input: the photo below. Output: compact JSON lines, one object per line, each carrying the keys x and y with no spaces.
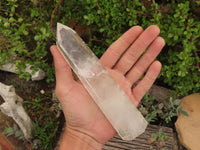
{"x":105,"y":91}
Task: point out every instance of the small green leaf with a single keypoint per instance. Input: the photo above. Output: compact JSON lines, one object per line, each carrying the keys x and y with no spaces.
{"x":37,"y":37}
{"x":170,"y":35}
{"x":20,"y":19}
{"x":6,"y":24}
{"x":25,"y":32}
{"x":101,"y":30}
{"x":12,"y":19}
{"x":176,"y":37}
{"x":184,"y":112}
{"x":127,"y":9}
{"x":85,"y":17}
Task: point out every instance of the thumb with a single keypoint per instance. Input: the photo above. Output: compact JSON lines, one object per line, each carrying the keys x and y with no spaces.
{"x":64,"y":78}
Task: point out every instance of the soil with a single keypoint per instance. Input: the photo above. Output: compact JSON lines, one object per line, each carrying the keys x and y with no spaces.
{"x":24,"y":88}
{"x":27,"y":90}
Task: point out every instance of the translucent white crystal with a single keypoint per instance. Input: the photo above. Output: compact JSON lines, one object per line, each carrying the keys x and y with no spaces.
{"x":105,"y":91}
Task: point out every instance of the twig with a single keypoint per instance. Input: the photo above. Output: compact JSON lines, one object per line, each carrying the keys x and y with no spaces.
{"x":52,"y":14}
{"x":190,"y":67}
{"x":156,"y":12}
{"x":96,"y":40}
{"x":197,"y":63}
{"x":5,"y":20}
{"x":40,"y":5}
{"x":3,"y":41}
{"x":12,"y":13}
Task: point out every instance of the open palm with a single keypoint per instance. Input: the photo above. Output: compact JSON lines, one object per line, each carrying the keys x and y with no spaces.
{"x":127,"y":59}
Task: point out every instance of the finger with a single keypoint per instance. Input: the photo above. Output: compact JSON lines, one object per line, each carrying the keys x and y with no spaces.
{"x":144,"y":85}
{"x":137,"y":48}
{"x":63,"y":71}
{"x":145,"y":61}
{"x":115,"y":51}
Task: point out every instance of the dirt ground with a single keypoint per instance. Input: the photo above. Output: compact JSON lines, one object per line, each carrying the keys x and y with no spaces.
{"x":26,"y":90}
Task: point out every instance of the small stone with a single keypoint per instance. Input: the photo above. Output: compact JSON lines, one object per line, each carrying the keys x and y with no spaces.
{"x":42,"y":91}
{"x":38,"y":75}
{"x":188,"y":127}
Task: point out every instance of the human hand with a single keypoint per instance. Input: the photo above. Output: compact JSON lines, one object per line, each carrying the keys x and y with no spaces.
{"x":127,"y":59}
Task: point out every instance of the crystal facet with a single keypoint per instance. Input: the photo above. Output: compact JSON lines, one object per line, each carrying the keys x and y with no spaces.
{"x":105,"y":91}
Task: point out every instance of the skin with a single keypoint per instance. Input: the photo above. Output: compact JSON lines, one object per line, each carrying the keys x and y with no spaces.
{"x":127,"y":59}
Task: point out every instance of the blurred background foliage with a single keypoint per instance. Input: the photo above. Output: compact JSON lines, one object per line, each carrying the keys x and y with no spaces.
{"x":27,"y":29}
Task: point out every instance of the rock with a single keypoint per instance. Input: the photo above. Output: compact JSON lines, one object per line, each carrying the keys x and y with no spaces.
{"x":13,"y":108}
{"x":188,"y":127}
{"x":42,"y":91}
{"x":38,"y":75}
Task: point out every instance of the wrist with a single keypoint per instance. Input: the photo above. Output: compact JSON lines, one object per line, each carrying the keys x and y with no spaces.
{"x":75,"y":140}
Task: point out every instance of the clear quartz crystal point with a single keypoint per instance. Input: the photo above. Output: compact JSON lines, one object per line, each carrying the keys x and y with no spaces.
{"x":105,"y":91}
